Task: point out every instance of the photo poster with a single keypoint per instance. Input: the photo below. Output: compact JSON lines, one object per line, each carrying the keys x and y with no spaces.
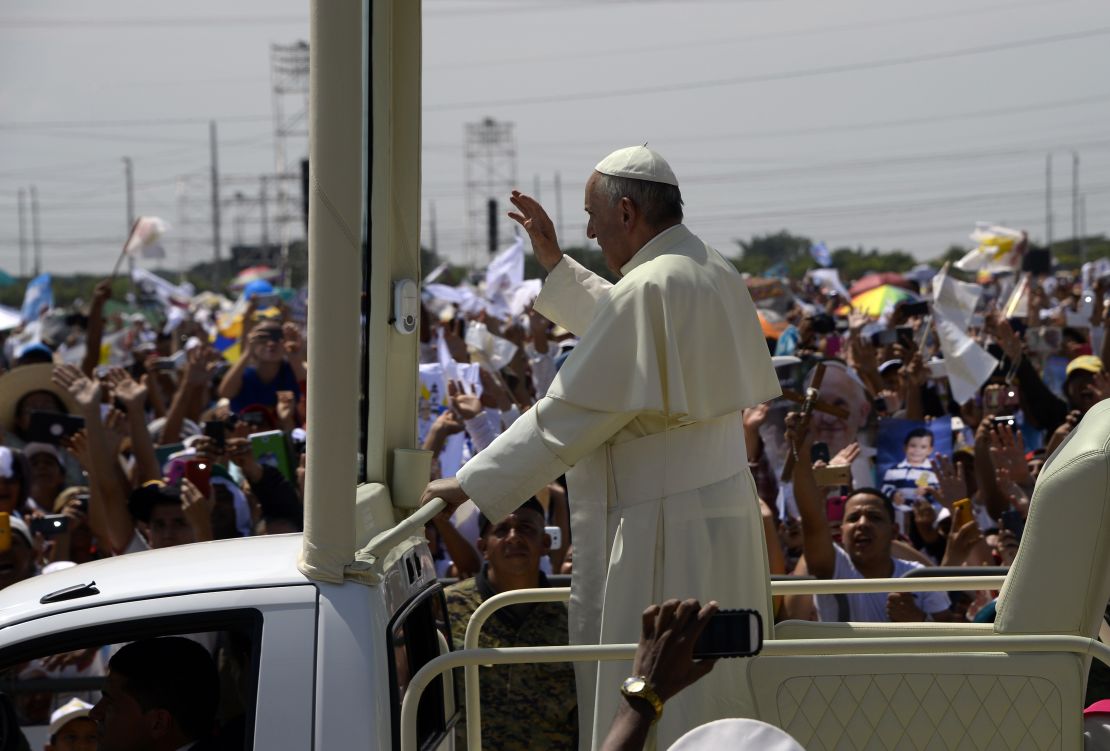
{"x":432,"y":401}
{"x":892,"y":451}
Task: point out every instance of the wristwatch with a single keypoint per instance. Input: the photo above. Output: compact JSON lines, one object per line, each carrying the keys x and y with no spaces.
{"x":637,"y":687}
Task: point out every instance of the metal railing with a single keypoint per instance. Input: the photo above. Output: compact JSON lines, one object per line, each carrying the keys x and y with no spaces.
{"x":792,"y":587}
{"x":984,"y":644}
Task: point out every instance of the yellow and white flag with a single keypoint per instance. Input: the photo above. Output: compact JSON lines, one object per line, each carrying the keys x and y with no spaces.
{"x":997,"y":249}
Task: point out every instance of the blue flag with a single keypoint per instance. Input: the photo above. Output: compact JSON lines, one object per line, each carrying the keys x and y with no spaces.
{"x":821,"y":254}
{"x":38,"y":297}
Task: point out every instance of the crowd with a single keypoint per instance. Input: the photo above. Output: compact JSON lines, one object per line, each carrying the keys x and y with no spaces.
{"x":899,"y":460}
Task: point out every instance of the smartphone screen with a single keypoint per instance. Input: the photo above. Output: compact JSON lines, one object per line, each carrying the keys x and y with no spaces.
{"x":50,"y":525}
{"x":1011,"y":520}
{"x":216,"y":430}
{"x":731,"y":633}
{"x":199,"y":472}
{"x":52,"y":427}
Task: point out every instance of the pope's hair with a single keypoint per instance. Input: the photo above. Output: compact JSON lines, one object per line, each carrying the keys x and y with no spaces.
{"x":660,"y":203}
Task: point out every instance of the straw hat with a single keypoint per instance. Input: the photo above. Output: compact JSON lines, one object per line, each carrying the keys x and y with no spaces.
{"x":20,"y":381}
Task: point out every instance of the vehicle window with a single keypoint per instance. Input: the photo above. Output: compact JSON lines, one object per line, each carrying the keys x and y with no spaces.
{"x":418,"y":634}
{"x":52,"y":685}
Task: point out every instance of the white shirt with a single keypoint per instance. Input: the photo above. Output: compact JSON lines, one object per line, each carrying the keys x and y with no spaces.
{"x":870,"y":607}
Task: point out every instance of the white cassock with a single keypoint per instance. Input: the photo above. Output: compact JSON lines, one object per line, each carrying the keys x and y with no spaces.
{"x":645,"y":420}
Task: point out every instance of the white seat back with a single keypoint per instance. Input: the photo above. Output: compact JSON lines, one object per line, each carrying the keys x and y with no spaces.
{"x":1060,"y":581}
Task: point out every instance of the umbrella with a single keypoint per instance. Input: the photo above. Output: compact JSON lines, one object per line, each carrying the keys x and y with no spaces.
{"x":877,"y":300}
{"x":871,"y":281}
{"x":772,"y":323}
{"x":6,"y":279}
{"x":254,"y":273}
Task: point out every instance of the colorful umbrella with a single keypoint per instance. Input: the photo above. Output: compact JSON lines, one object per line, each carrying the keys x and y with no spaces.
{"x":877,"y":301}
{"x":772,"y":323}
{"x":246,"y":276}
{"x":871,"y":281}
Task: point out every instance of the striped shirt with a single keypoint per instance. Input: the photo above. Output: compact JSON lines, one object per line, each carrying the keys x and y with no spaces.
{"x":909,"y":479}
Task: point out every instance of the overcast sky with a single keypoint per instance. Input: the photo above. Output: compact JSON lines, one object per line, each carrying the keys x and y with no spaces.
{"x":894,"y":124}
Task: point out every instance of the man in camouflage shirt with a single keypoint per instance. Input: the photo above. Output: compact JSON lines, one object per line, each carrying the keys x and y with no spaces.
{"x":524,"y":706}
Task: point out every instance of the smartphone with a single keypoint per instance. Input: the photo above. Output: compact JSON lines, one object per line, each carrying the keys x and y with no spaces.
{"x":50,"y":526}
{"x":164,"y":363}
{"x":731,"y":633}
{"x":1011,"y":520}
{"x":819,"y":452}
{"x":904,"y":336}
{"x":885,"y":338}
{"x":831,"y":477}
{"x":914,"y":309}
{"x":5,"y":532}
{"x":83,"y":502}
{"x":272,"y":448}
{"x":834,"y":508}
{"x":217,"y":431}
{"x":254,"y":419}
{"x":878,"y":404}
{"x":1007,"y":420}
{"x":556,"y":535}
{"x":52,"y":427}
{"x":961,"y":513}
{"x":199,"y":472}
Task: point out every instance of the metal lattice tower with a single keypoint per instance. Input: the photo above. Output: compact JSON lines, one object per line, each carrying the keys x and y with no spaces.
{"x":193,"y":197}
{"x":490,"y":151}
{"x":289,"y":82}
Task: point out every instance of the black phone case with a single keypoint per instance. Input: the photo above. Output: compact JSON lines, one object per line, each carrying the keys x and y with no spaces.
{"x":702,"y":650}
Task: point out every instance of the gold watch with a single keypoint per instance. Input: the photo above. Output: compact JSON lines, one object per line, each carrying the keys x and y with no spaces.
{"x":637,"y":687}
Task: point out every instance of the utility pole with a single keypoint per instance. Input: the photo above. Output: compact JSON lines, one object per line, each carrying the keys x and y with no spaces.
{"x":129,"y":182}
{"x":262,"y":204}
{"x":36,"y":241}
{"x":1048,"y":200}
{"x":22,"y":234}
{"x":1075,"y":206}
{"x":432,"y":227}
{"x":559,"y":204}
{"x":215,"y":201}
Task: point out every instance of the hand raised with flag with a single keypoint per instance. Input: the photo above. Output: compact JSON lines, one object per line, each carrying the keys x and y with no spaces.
{"x":541,"y":231}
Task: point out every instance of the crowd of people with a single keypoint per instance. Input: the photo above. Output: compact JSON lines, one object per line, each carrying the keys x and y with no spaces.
{"x":886,"y":473}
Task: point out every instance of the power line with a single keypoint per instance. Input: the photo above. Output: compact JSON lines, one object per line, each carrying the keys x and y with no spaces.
{"x":128,"y":123}
{"x":45,"y":22}
{"x":781,"y":76}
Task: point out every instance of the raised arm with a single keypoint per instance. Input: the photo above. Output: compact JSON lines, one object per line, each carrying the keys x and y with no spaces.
{"x":95,"y":331}
{"x":817,"y":542}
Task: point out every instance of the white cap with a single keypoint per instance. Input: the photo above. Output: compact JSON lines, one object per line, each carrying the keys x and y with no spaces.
{"x":637,"y":163}
{"x":68,"y":712}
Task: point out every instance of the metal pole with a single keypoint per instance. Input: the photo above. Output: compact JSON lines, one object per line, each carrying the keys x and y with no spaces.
{"x":36,"y":240}
{"x":214,"y":156}
{"x":129,"y":183}
{"x":22,"y":233}
{"x":1048,"y":201}
{"x":265,"y":228}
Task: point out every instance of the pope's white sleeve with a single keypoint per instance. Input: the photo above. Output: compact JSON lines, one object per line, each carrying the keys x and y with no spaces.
{"x":570,"y":294}
{"x":542,"y":444}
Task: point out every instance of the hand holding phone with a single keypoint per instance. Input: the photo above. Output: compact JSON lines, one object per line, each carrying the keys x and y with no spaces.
{"x":961,"y":513}
{"x":50,"y":526}
{"x":199,"y":472}
{"x":731,"y":633}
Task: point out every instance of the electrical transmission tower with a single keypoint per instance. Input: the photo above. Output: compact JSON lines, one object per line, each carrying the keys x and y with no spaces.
{"x":490,"y":176}
{"x":289,"y":83}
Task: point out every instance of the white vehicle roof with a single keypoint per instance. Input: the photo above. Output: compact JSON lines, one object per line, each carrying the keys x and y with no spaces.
{"x":266,"y":561}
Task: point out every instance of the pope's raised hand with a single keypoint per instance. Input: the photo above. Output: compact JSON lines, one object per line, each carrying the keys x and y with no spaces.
{"x":449,"y":490}
{"x":541,"y":231}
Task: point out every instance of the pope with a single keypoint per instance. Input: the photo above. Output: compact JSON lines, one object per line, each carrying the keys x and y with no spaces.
{"x":644,"y":418}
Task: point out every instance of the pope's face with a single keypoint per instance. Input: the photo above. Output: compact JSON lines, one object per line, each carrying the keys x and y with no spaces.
{"x":838,"y":389}
{"x":606,"y":225}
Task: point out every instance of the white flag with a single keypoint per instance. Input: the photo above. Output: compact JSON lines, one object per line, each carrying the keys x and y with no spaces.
{"x":953,"y":299}
{"x":146,"y":238}
{"x":968,"y":365}
{"x":829,"y":280}
{"x":999,"y":248}
{"x":524,"y":295}
{"x":166,"y":292}
{"x":506,"y":270}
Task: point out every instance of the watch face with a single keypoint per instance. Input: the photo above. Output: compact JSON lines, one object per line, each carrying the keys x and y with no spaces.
{"x":634,"y":684}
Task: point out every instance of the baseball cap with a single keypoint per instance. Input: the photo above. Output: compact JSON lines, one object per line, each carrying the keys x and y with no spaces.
{"x":1088,"y":363}
{"x":34,"y":352}
{"x":74,"y":709}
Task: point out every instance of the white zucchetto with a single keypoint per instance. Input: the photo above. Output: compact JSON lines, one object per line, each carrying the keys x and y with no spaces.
{"x":637,"y":163}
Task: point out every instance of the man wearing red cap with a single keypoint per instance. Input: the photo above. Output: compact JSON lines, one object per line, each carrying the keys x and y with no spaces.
{"x":645,"y":420}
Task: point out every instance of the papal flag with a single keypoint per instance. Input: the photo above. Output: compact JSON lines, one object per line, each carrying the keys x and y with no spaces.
{"x":997,"y":249}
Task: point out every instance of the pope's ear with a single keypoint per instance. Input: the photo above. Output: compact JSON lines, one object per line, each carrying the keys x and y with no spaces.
{"x":629,"y":211}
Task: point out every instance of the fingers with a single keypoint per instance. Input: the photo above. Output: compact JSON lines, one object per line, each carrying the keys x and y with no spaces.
{"x":666,"y":616}
{"x":647,"y":625}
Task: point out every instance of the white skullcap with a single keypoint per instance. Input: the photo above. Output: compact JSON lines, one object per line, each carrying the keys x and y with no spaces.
{"x":736,"y":733}
{"x":637,"y":163}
